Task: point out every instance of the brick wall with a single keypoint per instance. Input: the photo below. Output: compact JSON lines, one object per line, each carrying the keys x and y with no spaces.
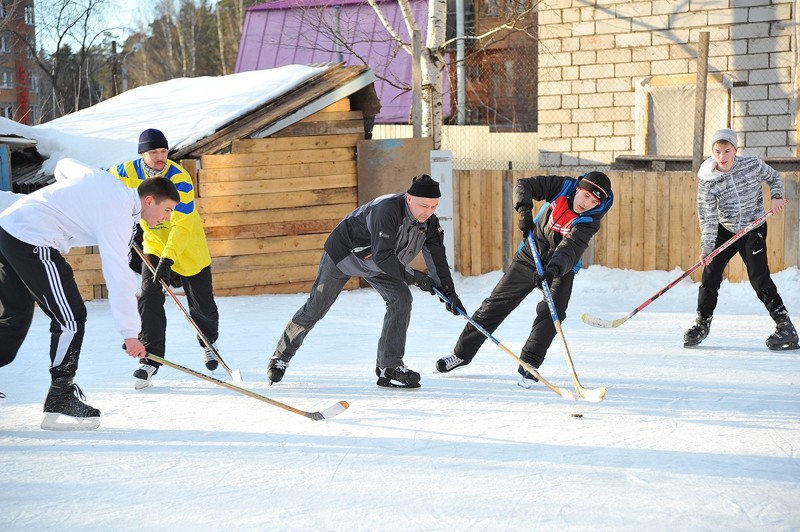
{"x":592,"y":55}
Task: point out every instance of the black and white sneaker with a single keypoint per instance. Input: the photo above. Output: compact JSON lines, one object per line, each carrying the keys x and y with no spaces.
{"x":65,"y":398}
{"x":784,"y":338}
{"x":276,"y":369}
{"x":526,"y":379}
{"x":143,"y":375}
{"x":399,"y":377}
{"x":207,"y":355}
{"x":450,"y":362}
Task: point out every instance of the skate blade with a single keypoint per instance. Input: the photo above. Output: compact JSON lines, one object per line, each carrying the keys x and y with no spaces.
{"x":389,"y":383}
{"x":139,"y":384}
{"x":51,"y":422}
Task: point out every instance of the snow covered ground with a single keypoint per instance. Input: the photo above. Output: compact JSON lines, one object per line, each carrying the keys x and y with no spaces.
{"x":702,"y":439}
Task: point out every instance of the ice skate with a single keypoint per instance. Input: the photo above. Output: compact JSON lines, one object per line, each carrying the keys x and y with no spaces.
{"x":784,"y":338}
{"x":399,"y":377}
{"x":143,"y":375}
{"x":276,"y":369}
{"x":208,"y":358}
{"x":64,"y":408}
{"x":697,"y":332}
{"x":450,"y":362}
{"x":526,"y":379}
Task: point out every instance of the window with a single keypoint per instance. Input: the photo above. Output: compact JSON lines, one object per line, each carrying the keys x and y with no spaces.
{"x":7,"y":110}
{"x":34,"y":114}
{"x":29,"y":15}
{"x":33,"y":83}
{"x":5,"y":43}
{"x":6,"y":78}
{"x":3,"y":10}
{"x":665,"y":113}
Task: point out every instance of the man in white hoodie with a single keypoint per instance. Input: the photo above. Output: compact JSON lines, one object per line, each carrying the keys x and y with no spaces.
{"x":729,"y":197}
{"x":82,"y":208}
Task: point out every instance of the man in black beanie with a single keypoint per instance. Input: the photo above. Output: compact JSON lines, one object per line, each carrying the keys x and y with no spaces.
{"x":376,"y":242}
{"x":562,"y":229}
{"x":179,"y":251}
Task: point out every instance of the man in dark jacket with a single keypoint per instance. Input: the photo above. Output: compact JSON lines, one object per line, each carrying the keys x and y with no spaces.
{"x":377,"y":241}
{"x":562,"y":230}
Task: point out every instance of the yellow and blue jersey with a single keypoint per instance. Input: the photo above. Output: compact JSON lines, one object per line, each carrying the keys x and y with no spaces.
{"x":182,"y":238}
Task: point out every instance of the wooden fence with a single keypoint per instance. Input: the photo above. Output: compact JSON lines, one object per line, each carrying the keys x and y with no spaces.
{"x":652,"y":226}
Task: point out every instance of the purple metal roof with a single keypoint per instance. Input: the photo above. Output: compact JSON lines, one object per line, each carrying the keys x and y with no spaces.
{"x":287,"y":32}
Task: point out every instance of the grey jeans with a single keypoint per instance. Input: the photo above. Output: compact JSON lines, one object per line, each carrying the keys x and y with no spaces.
{"x":327,"y":287}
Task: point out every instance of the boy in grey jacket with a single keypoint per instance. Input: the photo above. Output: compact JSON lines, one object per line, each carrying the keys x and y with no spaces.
{"x":729,"y":197}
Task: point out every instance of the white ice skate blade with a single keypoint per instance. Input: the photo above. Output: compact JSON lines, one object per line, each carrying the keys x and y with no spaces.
{"x":139,"y":384}
{"x":51,"y":422}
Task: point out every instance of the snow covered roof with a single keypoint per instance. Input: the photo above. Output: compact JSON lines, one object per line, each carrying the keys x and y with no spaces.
{"x":187,"y":110}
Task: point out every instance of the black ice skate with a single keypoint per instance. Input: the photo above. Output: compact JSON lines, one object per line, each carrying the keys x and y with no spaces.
{"x":64,"y":409}
{"x":450,"y":362}
{"x":207,"y":355}
{"x":697,"y":332}
{"x":784,"y":338}
{"x":399,"y":377}
{"x":276,"y":369}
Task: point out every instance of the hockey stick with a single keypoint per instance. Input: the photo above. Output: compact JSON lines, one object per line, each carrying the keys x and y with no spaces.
{"x":595,"y":395}
{"x":566,"y":394}
{"x":612,"y":324}
{"x":328,"y":413}
{"x":235,"y":374}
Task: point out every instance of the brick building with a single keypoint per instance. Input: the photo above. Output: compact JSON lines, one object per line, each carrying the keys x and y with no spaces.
{"x":618,"y":77}
{"x":19,"y":86}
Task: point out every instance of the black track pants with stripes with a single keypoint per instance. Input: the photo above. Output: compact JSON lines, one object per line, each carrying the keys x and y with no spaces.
{"x":39,"y":274}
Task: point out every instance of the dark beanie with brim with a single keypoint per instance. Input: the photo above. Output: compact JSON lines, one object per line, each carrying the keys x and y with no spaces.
{"x":597,"y":184}
{"x":423,"y":186}
{"x":152,"y":139}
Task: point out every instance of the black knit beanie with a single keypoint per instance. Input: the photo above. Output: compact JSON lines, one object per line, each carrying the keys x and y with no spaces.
{"x":152,"y":139}
{"x":597,"y":184}
{"x":423,"y":186}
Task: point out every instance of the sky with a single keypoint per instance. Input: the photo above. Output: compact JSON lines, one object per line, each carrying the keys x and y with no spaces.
{"x":686,"y":439}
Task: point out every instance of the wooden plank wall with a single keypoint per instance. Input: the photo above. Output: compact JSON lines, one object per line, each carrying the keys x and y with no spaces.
{"x":268,"y":206}
{"x":653,"y":224}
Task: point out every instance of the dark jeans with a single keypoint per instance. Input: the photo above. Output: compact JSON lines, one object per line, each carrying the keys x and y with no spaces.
{"x":328,"y":285}
{"x":753,"y":249}
{"x":199,"y":296}
{"x":515,"y":285}
{"x":33,"y":273}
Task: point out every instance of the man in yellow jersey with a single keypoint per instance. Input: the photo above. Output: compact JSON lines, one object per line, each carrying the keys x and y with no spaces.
{"x":179,"y":251}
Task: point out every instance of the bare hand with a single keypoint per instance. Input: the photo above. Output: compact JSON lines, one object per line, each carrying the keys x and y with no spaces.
{"x":705,"y":259}
{"x":135,"y":348}
{"x":778,"y":204}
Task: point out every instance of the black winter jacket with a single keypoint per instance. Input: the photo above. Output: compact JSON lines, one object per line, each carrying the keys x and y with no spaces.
{"x":381,"y":237}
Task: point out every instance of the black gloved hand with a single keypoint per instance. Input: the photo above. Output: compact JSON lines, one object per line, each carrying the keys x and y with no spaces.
{"x":454,"y":304}
{"x":525,"y":222}
{"x":420,"y":279}
{"x":163,"y":270}
{"x":548,"y":275}
{"x":175,"y":280}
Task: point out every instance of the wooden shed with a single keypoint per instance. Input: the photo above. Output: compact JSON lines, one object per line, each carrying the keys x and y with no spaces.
{"x":272,"y":184}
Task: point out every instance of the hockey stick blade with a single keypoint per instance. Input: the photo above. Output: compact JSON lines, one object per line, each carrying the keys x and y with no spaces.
{"x":331,"y":411}
{"x":594,"y":321}
{"x":613,"y":324}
